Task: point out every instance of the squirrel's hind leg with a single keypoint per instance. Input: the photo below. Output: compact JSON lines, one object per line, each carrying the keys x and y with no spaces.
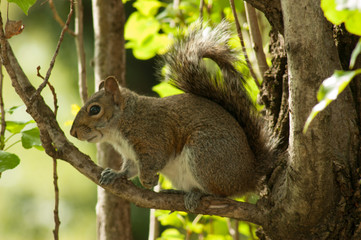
{"x":192,"y":199}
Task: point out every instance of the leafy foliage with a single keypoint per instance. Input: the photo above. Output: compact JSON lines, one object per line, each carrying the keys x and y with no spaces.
{"x":149,"y":30}
{"x":181,"y":224}
{"x":29,"y":138}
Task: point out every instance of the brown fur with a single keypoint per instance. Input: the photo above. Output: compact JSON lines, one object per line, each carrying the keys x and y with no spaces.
{"x":199,"y":139}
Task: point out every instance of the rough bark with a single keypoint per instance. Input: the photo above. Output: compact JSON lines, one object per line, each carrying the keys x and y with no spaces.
{"x":113,"y":213}
{"x":306,"y":195}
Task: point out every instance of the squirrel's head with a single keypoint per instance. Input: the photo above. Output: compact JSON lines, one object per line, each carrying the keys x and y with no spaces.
{"x":94,"y":119}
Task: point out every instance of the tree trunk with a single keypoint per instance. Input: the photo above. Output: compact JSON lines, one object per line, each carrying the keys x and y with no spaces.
{"x":310,"y":195}
{"x":113,"y":213}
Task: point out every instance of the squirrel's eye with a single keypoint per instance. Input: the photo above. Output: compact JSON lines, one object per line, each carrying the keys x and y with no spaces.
{"x":94,"y":110}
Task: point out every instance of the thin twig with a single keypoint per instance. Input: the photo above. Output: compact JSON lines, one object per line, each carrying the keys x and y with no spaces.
{"x":56,"y":206}
{"x":240,"y":36}
{"x":153,"y":221}
{"x":47,"y":76}
{"x":3,"y":122}
{"x":55,"y":173}
{"x":256,"y":38}
{"x":79,"y":40}
{"x":236,"y":223}
{"x":201,"y":6}
{"x":58,"y":18}
{"x":52,"y":89}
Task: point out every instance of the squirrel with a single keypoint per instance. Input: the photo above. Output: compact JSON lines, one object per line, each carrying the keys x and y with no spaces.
{"x":207,"y":141}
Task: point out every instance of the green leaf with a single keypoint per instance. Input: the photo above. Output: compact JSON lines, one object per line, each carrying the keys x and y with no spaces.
{"x":195,"y":227}
{"x":171,"y":234}
{"x":171,"y":219}
{"x":149,"y":47}
{"x":148,"y":7}
{"x":12,"y":109}
{"x":329,"y":90}
{"x":355,"y":54}
{"x":8,"y":161}
{"x":218,"y":237}
{"x":164,"y":89}
{"x":142,"y":34}
{"x":353,"y":22}
{"x":336,"y":13}
{"x":16,"y":126}
{"x":139,"y":27}
{"x":24,"y":4}
{"x":31,"y":138}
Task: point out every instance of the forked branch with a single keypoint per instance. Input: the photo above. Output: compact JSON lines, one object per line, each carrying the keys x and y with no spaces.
{"x":125,"y":189}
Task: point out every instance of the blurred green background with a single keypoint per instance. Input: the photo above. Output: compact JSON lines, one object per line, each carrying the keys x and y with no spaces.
{"x":26,"y":192}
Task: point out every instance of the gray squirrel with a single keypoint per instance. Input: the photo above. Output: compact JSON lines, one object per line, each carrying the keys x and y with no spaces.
{"x":209,"y":140}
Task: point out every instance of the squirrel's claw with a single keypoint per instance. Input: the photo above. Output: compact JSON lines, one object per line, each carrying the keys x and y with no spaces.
{"x":192,"y":199}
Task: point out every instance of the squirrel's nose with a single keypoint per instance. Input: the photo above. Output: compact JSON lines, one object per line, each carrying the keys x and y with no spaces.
{"x":74,"y":133}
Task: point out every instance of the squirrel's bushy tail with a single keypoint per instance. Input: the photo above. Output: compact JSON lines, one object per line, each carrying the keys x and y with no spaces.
{"x":186,"y":69}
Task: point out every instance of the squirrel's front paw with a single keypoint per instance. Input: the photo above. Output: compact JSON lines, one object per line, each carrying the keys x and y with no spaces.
{"x":108,"y":176}
{"x":151,"y":182}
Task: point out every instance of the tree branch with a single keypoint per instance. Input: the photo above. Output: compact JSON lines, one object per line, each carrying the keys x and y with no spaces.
{"x":125,"y":189}
{"x":58,"y":18}
{"x":2,"y":111}
{"x":240,"y":36}
{"x":256,"y":38}
{"x":79,"y":40}
{"x":272,"y":10}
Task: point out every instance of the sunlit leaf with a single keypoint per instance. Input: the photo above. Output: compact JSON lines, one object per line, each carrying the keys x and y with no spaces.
{"x":353,"y":23}
{"x":218,"y":237}
{"x":143,"y":37}
{"x":247,"y":229}
{"x":332,"y":86}
{"x":31,"y":138}
{"x":164,"y":89}
{"x":148,"y":7}
{"x":329,"y":90}
{"x":138,"y":27}
{"x":217,"y":225}
{"x":24,"y":4}
{"x":170,"y":219}
{"x":355,"y":54}
{"x":8,"y":161}
{"x":195,"y":227}
{"x":336,"y":13}
{"x":12,"y":109}
{"x":171,"y":234}
{"x":16,"y":126}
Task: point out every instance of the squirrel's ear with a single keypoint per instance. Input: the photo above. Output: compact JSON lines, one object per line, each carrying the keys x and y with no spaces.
{"x":111,"y":86}
{"x":101,"y":85}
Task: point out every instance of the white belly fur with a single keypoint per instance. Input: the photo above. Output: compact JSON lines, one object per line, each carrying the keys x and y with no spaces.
{"x":178,"y":172}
